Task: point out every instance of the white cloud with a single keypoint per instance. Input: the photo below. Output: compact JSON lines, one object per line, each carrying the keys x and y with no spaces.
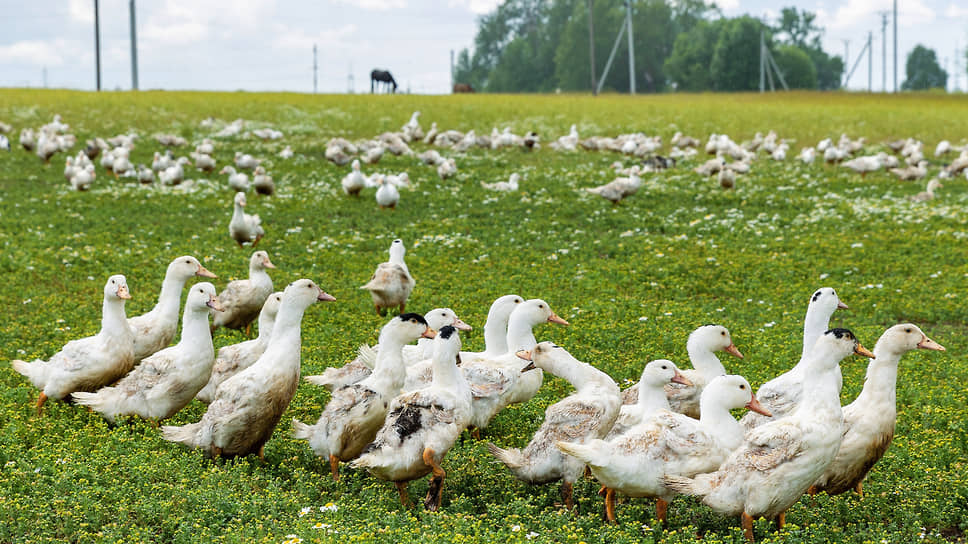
{"x":955,"y":12}
{"x":81,"y":10}
{"x":298,"y":39}
{"x":727,"y":5}
{"x":478,"y":7}
{"x":34,"y":52}
{"x":376,"y":5}
{"x":910,"y":13}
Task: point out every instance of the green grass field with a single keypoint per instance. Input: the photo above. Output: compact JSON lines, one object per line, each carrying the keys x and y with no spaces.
{"x":633,"y":280}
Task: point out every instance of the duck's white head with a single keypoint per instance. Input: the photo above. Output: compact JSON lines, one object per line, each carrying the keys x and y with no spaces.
{"x":536,"y":311}
{"x":545,"y":356}
{"x":833,"y":346}
{"x":934,"y":184}
{"x":356,"y":165}
{"x":240,"y":199}
{"x":713,"y":338}
{"x":825,"y":301}
{"x":732,"y":391}
{"x":442,"y":317}
{"x":903,"y":338}
{"x":660,"y":372}
{"x":271,"y":306}
{"x":303,"y":293}
{"x":502,"y":307}
{"x":186,"y":266}
{"x":397,"y":249}
{"x":116,"y":287}
{"x":260,"y":260}
{"x":515,"y":177}
{"x":406,"y":328}
{"x":202,"y":297}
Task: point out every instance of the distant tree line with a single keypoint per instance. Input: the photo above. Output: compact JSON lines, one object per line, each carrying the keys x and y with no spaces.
{"x":542,"y":45}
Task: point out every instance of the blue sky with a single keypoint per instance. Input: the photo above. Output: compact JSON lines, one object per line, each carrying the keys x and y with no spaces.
{"x":267,"y":44}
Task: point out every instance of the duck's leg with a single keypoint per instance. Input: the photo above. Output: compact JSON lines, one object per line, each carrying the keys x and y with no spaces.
{"x":747,"y":521}
{"x":432,"y":502}
{"x":216,"y":452}
{"x":567,"y":493}
{"x":334,"y":467}
{"x":262,"y":453}
{"x":248,"y":330}
{"x":781,"y":521}
{"x":404,"y":497}
{"x":402,"y":306}
{"x":860,"y":489}
{"x":40,"y":403}
{"x":257,"y":238}
{"x":610,"y":505}
{"x":476,"y":433}
{"x":661,"y":508}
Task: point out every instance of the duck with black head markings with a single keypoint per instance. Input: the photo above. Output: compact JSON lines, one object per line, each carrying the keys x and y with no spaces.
{"x":423,"y":425}
{"x":355,"y":412}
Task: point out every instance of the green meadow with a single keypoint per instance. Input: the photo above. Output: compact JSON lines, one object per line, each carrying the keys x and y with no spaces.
{"x":633,"y":280}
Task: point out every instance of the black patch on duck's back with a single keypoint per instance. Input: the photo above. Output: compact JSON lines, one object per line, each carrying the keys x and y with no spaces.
{"x":840,"y":333}
{"x":418,"y":317}
{"x":446,"y":331}
{"x":407,"y":420}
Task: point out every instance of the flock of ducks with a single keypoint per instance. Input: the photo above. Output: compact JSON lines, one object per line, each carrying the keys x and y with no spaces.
{"x":397,"y":408}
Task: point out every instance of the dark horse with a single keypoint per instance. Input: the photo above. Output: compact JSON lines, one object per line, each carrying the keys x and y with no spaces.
{"x":382,"y":76}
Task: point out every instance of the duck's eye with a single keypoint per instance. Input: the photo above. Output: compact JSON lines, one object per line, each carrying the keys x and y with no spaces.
{"x":664,"y":367}
{"x":907,"y":329}
{"x":413,"y":320}
{"x":541,"y":306}
{"x":722,"y":333}
{"x":743,"y":386}
{"x":517,"y":301}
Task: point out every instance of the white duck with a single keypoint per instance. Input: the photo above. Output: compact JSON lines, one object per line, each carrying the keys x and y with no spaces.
{"x":779,"y":460}
{"x":286,"y":153}
{"x":781,"y":394}
{"x":423,"y":425}
{"x":497,"y":382}
{"x":702,"y":346}
{"x":618,"y":189}
{"x":167,"y":381}
{"x":361,"y":367}
{"x":391,"y":283}
{"x":88,"y":363}
{"x":238,"y":181}
{"x":244,"y":227}
{"x":927,"y":194}
{"x":668,"y":443}
{"x":387,"y":195}
{"x":355,"y":412}
{"x":232,"y":359}
{"x":262,"y":181}
{"x":248,"y":406}
{"x":243,"y":299}
{"x":244,"y":160}
{"x":82,"y":178}
{"x":869,"y":420}
{"x":495,"y":329}
{"x":355,"y":181}
{"x":652,"y":395}
{"x":585,"y":415}
{"x":153,"y":331}
{"x":510,"y":185}
{"x":447,"y":168}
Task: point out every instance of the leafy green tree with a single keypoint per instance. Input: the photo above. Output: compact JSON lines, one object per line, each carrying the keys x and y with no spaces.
{"x":923,"y":70}
{"x":797,"y":68}
{"x":799,"y":28}
{"x":688,"y":65}
{"x":736,"y":58}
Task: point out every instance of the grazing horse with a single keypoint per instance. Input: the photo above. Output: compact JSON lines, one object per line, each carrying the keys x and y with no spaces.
{"x":463,"y":88}
{"x":382,"y":76}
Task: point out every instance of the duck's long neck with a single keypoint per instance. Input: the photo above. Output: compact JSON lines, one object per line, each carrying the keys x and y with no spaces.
{"x":396,"y":257}
{"x":259,"y":277}
{"x":705,"y":361}
{"x":652,"y":398}
{"x":814,"y":324}
{"x":170,"y":298}
{"x":266,"y":324}
{"x":113,"y":320}
{"x":880,"y":384}
{"x":238,"y":214}
{"x":286,"y":340}
{"x":195,"y":331}
{"x":821,"y":387}
{"x":389,"y":368}
{"x":719,"y":422}
{"x":520,"y":334}
{"x":582,"y":376}
{"x":446,"y":373}
{"x":496,"y":334}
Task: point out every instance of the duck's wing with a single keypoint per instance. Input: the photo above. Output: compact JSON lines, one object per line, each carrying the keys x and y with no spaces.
{"x":387,"y":275}
{"x":486,"y":380}
{"x":574,"y":418}
{"x":770,"y":446}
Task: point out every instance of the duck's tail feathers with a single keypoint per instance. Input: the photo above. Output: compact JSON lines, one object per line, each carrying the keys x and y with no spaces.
{"x":512,"y":458}
{"x":36,"y":372}
{"x":583,"y":452}
{"x":686,"y":486}
{"x":301,"y":431}
{"x":594,"y":190}
{"x":185,"y":434}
